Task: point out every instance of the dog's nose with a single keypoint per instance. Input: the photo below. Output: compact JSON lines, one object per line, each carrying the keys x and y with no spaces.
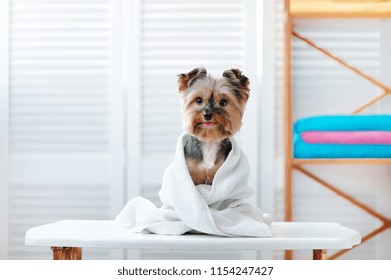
{"x":208,"y":116}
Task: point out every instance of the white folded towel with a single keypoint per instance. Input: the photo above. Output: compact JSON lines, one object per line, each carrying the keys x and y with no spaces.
{"x":216,"y":209}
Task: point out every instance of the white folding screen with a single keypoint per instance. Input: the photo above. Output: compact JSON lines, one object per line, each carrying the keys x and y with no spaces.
{"x":91,"y":92}
{"x":64,"y":161}
{"x":4,"y":124}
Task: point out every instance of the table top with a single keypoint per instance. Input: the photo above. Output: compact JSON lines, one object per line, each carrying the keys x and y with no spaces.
{"x":109,"y":234}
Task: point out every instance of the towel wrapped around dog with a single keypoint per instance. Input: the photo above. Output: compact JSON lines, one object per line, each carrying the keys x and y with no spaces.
{"x":217,"y":209}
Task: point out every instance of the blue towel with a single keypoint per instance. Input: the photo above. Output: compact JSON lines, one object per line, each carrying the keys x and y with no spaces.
{"x":305,"y":150}
{"x":344,"y":123}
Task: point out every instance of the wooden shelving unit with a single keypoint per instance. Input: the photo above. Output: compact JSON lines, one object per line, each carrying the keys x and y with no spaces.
{"x":299,"y":9}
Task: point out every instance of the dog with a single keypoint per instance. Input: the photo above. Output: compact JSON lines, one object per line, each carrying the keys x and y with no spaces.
{"x":212,"y":111}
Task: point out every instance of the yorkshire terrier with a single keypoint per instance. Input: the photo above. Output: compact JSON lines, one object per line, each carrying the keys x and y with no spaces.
{"x":212,"y":110}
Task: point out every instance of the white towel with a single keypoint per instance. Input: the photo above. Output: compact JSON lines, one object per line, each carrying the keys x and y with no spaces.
{"x":217,"y":209}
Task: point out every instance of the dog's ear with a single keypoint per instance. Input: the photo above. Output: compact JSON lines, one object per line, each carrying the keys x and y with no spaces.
{"x":186,"y":80}
{"x":239,"y":81}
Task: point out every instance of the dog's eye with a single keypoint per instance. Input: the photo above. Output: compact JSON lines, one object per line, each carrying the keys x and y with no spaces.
{"x":199,"y":100}
{"x":223,"y":102}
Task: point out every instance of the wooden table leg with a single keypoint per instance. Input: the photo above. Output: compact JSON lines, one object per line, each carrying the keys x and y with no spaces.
{"x":67,"y":253}
{"x":288,"y":254}
{"x":319,"y":254}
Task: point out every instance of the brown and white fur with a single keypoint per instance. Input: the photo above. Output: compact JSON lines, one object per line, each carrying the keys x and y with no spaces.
{"x":212,"y":110}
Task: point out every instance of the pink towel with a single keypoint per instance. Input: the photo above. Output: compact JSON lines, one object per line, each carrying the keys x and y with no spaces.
{"x":347,"y":137}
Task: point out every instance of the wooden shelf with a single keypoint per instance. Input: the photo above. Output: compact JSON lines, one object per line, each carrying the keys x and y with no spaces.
{"x":316,"y":9}
{"x":312,"y":9}
{"x":342,"y":161}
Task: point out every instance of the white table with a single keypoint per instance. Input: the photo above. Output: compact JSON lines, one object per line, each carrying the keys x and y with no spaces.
{"x":66,"y":238}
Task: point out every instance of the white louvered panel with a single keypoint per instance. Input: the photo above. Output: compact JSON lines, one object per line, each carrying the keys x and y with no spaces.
{"x":61,"y":65}
{"x":279,"y":83}
{"x":279,"y":206}
{"x":42,"y":123}
{"x":32,"y":205}
{"x":384,"y":241}
{"x":59,"y":68}
{"x":178,"y":36}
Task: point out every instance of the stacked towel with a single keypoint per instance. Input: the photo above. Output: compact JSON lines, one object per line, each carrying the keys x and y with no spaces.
{"x":218,"y":209}
{"x":343,"y":137}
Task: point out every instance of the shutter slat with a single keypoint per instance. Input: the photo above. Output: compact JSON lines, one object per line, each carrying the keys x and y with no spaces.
{"x":49,"y":41}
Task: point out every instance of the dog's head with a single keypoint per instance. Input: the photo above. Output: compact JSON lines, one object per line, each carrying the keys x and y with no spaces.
{"x":213,"y":107}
